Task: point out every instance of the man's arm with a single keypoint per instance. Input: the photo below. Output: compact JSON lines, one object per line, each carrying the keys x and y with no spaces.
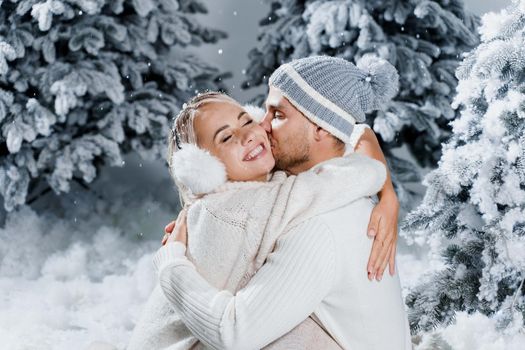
{"x":383,"y":221}
{"x":283,"y":293}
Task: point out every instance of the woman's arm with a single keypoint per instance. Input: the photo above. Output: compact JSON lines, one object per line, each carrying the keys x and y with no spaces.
{"x":328,"y":186}
{"x":284,"y":292}
{"x":383,"y":221}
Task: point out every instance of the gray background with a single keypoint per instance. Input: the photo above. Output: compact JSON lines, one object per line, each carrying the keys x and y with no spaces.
{"x":239,"y":18}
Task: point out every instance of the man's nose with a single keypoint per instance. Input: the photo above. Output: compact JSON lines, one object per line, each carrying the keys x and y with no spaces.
{"x":266,"y":123}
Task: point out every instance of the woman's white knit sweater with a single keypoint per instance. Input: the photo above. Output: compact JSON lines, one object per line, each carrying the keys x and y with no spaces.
{"x":231,"y":233}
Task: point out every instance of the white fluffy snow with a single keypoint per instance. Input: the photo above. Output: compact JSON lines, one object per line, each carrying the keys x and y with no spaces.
{"x":82,"y":272}
{"x":474,"y":331}
{"x":64,"y":284}
{"x":470,"y":332}
{"x":493,"y":23}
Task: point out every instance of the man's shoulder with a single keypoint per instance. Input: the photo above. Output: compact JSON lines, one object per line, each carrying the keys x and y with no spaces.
{"x":330,"y":223}
{"x":352,"y":209}
{"x":354,"y":214}
{"x":313,"y":230}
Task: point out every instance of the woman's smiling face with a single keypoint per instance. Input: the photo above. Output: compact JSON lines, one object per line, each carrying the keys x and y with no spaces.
{"x":224,"y":128}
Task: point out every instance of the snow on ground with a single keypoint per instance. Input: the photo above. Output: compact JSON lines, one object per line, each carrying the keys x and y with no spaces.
{"x":82,"y":271}
{"x":64,"y":287}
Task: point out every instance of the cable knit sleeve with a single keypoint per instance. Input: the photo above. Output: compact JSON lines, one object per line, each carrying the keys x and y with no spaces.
{"x":330,"y":185}
{"x":283,"y":293}
{"x":358,"y":131}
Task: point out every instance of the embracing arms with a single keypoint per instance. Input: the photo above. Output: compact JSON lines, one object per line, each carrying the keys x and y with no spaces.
{"x":284,"y":292}
{"x":383,"y":221}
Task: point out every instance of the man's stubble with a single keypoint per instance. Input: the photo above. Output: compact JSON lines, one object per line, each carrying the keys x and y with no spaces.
{"x":293,"y":151}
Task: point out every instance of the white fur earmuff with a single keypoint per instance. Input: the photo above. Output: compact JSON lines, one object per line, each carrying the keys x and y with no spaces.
{"x":197,"y":169}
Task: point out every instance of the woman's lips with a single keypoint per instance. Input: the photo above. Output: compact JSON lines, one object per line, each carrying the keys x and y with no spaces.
{"x":255,"y":153}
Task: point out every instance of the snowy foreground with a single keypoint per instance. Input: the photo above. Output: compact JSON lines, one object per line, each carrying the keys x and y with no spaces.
{"x":82,"y":272}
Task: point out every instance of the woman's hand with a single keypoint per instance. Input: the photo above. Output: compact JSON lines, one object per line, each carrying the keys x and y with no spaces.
{"x":167,"y":231}
{"x":383,"y":227}
{"x":383,"y":221}
{"x":179,"y":232}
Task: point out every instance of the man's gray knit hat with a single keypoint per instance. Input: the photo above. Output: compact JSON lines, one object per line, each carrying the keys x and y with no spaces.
{"x":334,"y":93}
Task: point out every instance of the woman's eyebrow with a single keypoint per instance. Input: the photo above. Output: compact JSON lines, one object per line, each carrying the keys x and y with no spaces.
{"x":227,"y":126}
{"x":219,"y":130}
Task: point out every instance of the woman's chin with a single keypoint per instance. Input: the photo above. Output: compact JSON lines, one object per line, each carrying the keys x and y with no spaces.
{"x":271,"y":165}
{"x":267,"y":163}
{"x":258,"y":170}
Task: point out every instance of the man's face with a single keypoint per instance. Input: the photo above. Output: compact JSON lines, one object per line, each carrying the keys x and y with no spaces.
{"x":289,"y":132}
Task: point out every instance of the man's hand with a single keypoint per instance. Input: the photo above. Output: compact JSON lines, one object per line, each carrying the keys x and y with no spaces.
{"x":383,"y":228}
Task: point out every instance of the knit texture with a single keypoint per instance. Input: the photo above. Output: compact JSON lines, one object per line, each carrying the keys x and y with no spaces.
{"x":232,"y":232}
{"x":317,"y":269}
{"x":359,"y":130}
{"x":198,"y":307}
{"x":334,"y":93}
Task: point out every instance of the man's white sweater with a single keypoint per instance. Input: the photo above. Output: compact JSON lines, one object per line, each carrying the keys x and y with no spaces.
{"x":317,"y":267}
{"x":232,"y":232}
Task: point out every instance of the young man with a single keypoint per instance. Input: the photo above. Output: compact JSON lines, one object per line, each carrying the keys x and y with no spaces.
{"x":318,"y":266}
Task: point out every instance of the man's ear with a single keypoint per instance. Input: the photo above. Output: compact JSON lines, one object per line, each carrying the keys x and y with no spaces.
{"x":320,"y":133}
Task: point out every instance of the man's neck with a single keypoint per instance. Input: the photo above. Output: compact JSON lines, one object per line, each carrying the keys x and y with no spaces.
{"x":316,"y":157}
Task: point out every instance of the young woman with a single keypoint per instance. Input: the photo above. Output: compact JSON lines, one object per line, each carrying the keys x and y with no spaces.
{"x":237,"y":208}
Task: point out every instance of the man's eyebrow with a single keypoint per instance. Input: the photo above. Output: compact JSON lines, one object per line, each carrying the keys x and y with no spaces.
{"x":219,"y":130}
{"x":274,"y":104}
{"x":240,"y":115}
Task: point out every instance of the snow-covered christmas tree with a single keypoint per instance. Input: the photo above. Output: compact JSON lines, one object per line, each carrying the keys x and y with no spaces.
{"x":84,"y":81}
{"x":473,"y":215}
{"x":423,"y":39}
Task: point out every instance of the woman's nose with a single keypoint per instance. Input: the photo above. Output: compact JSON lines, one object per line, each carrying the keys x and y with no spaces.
{"x":247,"y":136}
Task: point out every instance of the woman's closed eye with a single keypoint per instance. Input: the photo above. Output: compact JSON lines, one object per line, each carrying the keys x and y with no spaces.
{"x":226,"y":138}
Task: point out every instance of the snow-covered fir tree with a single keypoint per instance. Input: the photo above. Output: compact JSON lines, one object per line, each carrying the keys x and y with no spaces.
{"x":423,"y":39}
{"x":84,"y":81}
{"x":473,"y":214}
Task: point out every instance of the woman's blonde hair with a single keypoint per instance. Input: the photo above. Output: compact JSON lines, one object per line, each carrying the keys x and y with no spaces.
{"x":182,"y":131}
